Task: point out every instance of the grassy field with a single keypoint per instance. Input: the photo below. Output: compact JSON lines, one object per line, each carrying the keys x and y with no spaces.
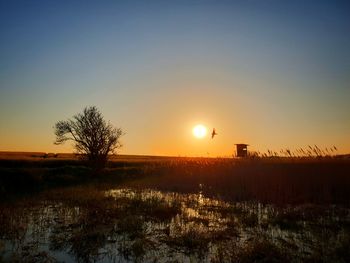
{"x":173,"y":209}
{"x":275,"y":180}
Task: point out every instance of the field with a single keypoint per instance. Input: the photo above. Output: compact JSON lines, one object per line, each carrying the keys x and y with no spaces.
{"x":54,"y":208}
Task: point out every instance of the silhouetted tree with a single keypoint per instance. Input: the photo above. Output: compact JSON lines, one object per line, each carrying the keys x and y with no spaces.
{"x":94,"y":137}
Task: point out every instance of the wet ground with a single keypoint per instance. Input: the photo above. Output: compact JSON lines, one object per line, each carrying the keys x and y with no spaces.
{"x":85,"y":224}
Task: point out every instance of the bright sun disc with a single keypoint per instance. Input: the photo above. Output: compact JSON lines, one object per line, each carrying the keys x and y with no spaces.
{"x":199,"y":131}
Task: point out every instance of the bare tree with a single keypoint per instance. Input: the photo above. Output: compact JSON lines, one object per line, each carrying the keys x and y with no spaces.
{"x":94,"y":138}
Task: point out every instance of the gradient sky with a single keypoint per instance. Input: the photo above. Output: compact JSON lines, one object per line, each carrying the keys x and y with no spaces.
{"x":273,"y":74}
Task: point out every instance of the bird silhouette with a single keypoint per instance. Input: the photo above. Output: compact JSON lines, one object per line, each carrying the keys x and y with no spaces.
{"x":213,"y":133}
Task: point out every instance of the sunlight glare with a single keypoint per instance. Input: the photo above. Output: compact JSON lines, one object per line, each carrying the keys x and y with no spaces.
{"x":199,"y":131}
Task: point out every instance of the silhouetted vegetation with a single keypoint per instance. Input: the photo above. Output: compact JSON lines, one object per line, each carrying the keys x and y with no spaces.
{"x":146,"y":209}
{"x":267,"y":180}
{"x":94,"y":138}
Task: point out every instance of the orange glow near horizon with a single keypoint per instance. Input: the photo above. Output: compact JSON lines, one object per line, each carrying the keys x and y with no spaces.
{"x":158,"y":70}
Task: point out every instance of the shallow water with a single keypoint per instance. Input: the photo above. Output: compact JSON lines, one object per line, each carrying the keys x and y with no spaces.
{"x":126,"y":225}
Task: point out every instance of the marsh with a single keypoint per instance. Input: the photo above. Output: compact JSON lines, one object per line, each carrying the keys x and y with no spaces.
{"x":180,"y":211}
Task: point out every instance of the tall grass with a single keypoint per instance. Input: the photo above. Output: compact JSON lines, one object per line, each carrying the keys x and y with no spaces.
{"x":279,"y":180}
{"x":276,"y":180}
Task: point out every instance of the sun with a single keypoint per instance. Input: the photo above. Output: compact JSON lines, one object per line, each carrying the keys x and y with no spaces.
{"x":199,"y":131}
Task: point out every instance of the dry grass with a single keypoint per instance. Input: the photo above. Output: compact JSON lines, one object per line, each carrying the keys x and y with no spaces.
{"x":91,"y":224}
{"x":209,"y":209}
{"x":280,"y":181}
{"x":275,"y":180}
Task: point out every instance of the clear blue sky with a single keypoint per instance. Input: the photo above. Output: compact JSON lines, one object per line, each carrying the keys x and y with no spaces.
{"x":273,"y":74}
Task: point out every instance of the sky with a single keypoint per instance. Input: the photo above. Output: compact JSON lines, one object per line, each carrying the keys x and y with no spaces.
{"x":273,"y":74}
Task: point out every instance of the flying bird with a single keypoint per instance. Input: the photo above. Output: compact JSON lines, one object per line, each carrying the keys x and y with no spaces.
{"x":213,"y":133}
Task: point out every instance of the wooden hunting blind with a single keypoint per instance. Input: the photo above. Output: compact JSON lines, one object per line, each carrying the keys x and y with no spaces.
{"x":242,"y":150}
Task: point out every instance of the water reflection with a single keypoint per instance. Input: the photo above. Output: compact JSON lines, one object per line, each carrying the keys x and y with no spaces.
{"x":126,"y":225}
